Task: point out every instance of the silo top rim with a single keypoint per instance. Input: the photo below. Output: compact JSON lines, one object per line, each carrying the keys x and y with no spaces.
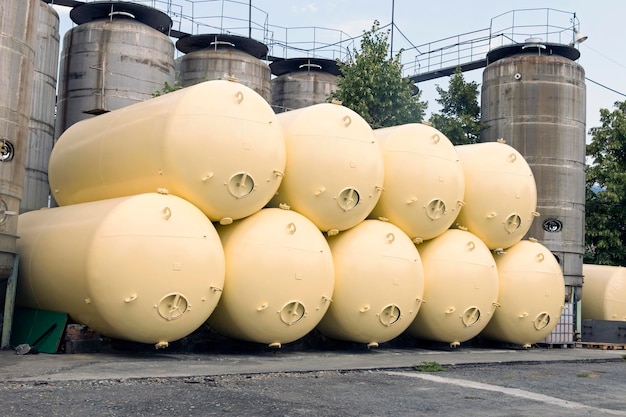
{"x":533,"y":48}
{"x":284,"y":66}
{"x":89,"y":12}
{"x":219,"y":40}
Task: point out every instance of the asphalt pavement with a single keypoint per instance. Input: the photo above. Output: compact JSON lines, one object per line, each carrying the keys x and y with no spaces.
{"x":64,"y":367}
{"x":482,"y":382}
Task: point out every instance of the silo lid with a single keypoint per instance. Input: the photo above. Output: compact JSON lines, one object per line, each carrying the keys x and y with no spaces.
{"x":531,"y":47}
{"x":193,"y":43}
{"x":284,"y":66}
{"x":89,"y":12}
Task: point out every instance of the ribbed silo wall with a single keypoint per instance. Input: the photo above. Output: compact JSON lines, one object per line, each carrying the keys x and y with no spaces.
{"x":214,"y":57}
{"x":534,"y":97}
{"x":41,"y":123}
{"x":302,"y":82}
{"x":302,"y":88}
{"x":110,"y":63}
{"x":17,"y":35}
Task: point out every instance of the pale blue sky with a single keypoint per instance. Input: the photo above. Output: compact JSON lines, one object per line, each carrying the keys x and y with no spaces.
{"x":602,"y":56}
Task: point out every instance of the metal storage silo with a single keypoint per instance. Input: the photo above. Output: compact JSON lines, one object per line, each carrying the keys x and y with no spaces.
{"x":460,"y":288}
{"x":424,"y":181}
{"x":379,"y":284}
{"x":534,"y":96}
{"x":302,"y":82}
{"x":335,"y":169}
{"x":41,"y":124}
{"x":17,"y":32}
{"x":279,"y":278}
{"x":119,"y":54}
{"x":531,"y":297}
{"x":226,"y":155}
{"x":604,"y":293}
{"x":147,"y":268}
{"x":221,"y":56}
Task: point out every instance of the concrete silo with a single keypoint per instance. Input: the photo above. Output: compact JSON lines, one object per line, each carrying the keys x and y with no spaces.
{"x":302,"y":82}
{"x":41,"y":123}
{"x":119,"y":54}
{"x":17,"y":35}
{"x":534,"y":97}
{"x":221,"y":56}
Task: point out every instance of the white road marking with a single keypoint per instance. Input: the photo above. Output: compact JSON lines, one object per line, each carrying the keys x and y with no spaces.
{"x":515,"y":392}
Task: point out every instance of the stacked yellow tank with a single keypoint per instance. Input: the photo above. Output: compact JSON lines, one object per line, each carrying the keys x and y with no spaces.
{"x":424,"y":180}
{"x":500,"y":193}
{"x":531,"y":297}
{"x":604,"y":293}
{"x":379,"y":284}
{"x":279,"y":278}
{"x":334,"y":173}
{"x":211,"y":208}
{"x":461,"y":288}
{"x":148,"y":267}
{"x":132,"y":250}
{"x":216,"y":144}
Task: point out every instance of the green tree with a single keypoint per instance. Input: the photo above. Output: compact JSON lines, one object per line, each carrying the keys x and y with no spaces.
{"x":605,"y":183}
{"x":459,"y":118}
{"x":372,"y":84}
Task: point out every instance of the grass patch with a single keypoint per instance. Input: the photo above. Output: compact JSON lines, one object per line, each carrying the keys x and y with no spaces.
{"x":429,"y":367}
{"x":589,"y":374}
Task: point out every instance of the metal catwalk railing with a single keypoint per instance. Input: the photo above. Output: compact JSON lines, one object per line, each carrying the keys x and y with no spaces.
{"x":420,"y":62}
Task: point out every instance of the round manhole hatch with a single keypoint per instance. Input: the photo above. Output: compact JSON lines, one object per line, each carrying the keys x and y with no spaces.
{"x":389,"y":315}
{"x":542,"y":321}
{"x":512,"y":223}
{"x":436,"y":209}
{"x":348,"y":198}
{"x":173,"y":306}
{"x":240,"y":185}
{"x":552,"y":225}
{"x":7,"y":150}
{"x":4,"y":211}
{"x":471,"y":316}
{"x":292,"y":312}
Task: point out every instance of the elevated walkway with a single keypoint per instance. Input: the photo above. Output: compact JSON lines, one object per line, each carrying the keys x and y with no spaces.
{"x":428,"y":61}
{"x":471,"y":51}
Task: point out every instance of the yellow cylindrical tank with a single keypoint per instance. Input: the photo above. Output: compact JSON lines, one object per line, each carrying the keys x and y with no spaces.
{"x":334,"y":173}
{"x":460,"y":288}
{"x":424,"y":180}
{"x":500,"y":193}
{"x":532,"y":293}
{"x":279,"y":278}
{"x":216,"y":144}
{"x":379,"y":284}
{"x":147,"y":268}
{"x":604,"y":292}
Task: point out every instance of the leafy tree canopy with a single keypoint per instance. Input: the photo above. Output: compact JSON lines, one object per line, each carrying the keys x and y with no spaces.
{"x":372,"y":84}
{"x":605,"y":189}
{"x":459,"y":118}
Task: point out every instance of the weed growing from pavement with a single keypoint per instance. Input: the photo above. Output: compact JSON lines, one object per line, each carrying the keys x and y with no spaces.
{"x":429,"y":367}
{"x":592,"y":374}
